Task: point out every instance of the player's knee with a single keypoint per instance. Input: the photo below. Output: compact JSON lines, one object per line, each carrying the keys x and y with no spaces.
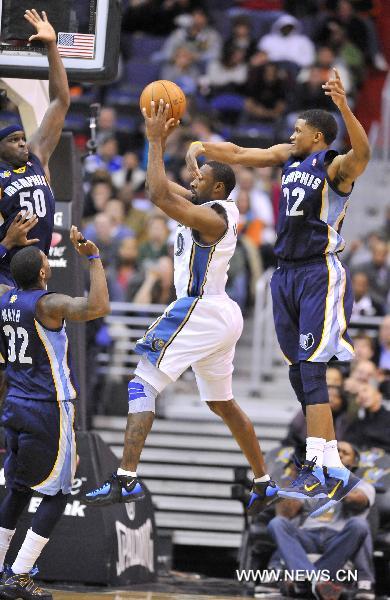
{"x":295,"y":377}
{"x":220,"y":407}
{"x":359,"y":526}
{"x":314,"y":382}
{"x":142,"y":396}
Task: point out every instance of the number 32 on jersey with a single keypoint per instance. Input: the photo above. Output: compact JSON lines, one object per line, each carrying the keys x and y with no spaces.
{"x":298,"y":194}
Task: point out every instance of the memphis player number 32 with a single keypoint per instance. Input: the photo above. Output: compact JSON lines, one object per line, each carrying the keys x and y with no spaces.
{"x":299,"y":194}
{"x":37,"y":201}
{"x":20,"y":334}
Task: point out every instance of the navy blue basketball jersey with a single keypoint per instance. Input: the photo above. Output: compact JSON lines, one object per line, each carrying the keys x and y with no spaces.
{"x":311,"y":210}
{"x":37,"y":359}
{"x":26,"y":188}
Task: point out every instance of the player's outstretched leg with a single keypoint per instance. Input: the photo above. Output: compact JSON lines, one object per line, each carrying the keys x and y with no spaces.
{"x":322,"y":475}
{"x":124,"y":485}
{"x":264,"y":490}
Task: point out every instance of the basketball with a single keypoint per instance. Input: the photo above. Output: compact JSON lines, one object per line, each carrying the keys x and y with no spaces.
{"x":169,"y":92}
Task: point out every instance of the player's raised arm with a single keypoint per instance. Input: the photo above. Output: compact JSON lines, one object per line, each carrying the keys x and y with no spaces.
{"x":232,"y":154}
{"x":53,"y":308}
{"x":204,"y":219}
{"x":344,"y":169}
{"x":45,"y":139}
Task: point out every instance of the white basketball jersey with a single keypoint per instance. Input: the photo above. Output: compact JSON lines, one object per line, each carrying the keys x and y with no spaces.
{"x":201,"y":270}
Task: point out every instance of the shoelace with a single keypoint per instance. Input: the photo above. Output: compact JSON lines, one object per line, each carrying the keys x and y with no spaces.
{"x":305,"y":469}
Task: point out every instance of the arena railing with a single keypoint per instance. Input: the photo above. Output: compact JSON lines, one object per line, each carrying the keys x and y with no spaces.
{"x":126,"y":323}
{"x":265,"y":349}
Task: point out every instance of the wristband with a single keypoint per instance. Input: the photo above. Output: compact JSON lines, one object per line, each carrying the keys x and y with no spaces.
{"x":198,"y":142}
{"x":93,"y":256}
{"x":3,"y":251}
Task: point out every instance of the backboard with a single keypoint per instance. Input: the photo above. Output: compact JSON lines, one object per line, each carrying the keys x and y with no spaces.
{"x":88,"y":34}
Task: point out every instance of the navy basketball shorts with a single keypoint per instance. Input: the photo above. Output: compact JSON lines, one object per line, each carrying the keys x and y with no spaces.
{"x":312,"y":305}
{"x":40,"y":445}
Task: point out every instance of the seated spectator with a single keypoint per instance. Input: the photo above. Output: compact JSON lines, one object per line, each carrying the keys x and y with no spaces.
{"x":202,"y":129}
{"x":195,"y":32}
{"x":156,"y":244}
{"x":334,"y":377}
{"x":266,"y":89}
{"x":286,"y":43}
{"x":364,"y":304}
{"x":339,"y":535}
{"x":310,"y":92}
{"x":362,"y":372}
{"x":126,"y":270}
{"x":241,"y":36}
{"x":326,"y":61}
{"x":107,"y":156}
{"x":229,"y":73}
{"x":135,"y":219}
{"x":378,"y":272}
{"x":364,"y":347}
{"x":384,"y":344}
{"x":106,"y":125}
{"x":296,"y":435}
{"x":130,"y":172}
{"x":256,"y":213}
{"x":108,"y":246}
{"x":156,"y":285}
{"x":97,"y":197}
{"x":371,"y":426}
{"x":182,"y":70}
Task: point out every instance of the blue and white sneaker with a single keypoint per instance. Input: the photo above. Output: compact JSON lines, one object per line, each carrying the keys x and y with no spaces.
{"x":262,"y":495}
{"x":117,"y":489}
{"x":310,"y":483}
{"x":339,"y":482}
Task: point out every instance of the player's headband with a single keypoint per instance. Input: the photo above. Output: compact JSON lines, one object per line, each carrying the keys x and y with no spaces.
{"x":8,"y":130}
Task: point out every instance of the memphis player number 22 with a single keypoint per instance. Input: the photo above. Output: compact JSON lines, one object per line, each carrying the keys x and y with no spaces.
{"x":299,"y":194}
{"x":12,"y":335}
{"x":37,"y":201}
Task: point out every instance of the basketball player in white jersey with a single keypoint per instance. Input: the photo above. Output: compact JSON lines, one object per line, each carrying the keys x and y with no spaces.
{"x":200,"y":329}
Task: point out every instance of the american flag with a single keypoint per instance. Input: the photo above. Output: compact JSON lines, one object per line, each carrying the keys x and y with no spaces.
{"x":72,"y":45}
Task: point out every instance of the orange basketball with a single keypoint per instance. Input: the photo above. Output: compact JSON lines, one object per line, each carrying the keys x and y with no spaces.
{"x":169,"y":92}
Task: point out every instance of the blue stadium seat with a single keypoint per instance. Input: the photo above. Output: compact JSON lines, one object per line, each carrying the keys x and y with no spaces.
{"x":138,"y":74}
{"x":143,"y":46}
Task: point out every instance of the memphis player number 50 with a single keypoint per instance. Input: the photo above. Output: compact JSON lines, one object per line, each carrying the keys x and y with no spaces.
{"x":21,"y":334}
{"x":39,"y":203}
{"x":298,"y":193}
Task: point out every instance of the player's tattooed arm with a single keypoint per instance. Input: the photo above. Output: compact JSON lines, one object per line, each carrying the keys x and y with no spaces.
{"x":46,"y":138}
{"x":236,"y":155}
{"x":54,"y":308}
{"x":345,"y":168}
{"x":203,"y":219}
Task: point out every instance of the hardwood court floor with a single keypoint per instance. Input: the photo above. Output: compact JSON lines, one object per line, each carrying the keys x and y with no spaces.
{"x":123,"y":595}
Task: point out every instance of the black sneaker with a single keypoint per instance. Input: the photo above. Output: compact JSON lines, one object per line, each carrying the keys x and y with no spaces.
{"x":262,"y":495}
{"x":22,"y":586}
{"x":309,"y":483}
{"x":117,"y":489}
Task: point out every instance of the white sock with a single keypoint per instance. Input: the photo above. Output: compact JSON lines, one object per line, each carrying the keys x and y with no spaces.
{"x":29,"y":552}
{"x":5,"y":541}
{"x":262,"y":479}
{"x":315,"y":449}
{"x":331,"y":455}
{"x":128,"y":473}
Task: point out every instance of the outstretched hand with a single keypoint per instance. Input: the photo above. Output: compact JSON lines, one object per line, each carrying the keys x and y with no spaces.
{"x":157,"y":125}
{"x":335,"y":89}
{"x":45,"y":32}
{"x":17,"y":232}
{"x":81,"y":245}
